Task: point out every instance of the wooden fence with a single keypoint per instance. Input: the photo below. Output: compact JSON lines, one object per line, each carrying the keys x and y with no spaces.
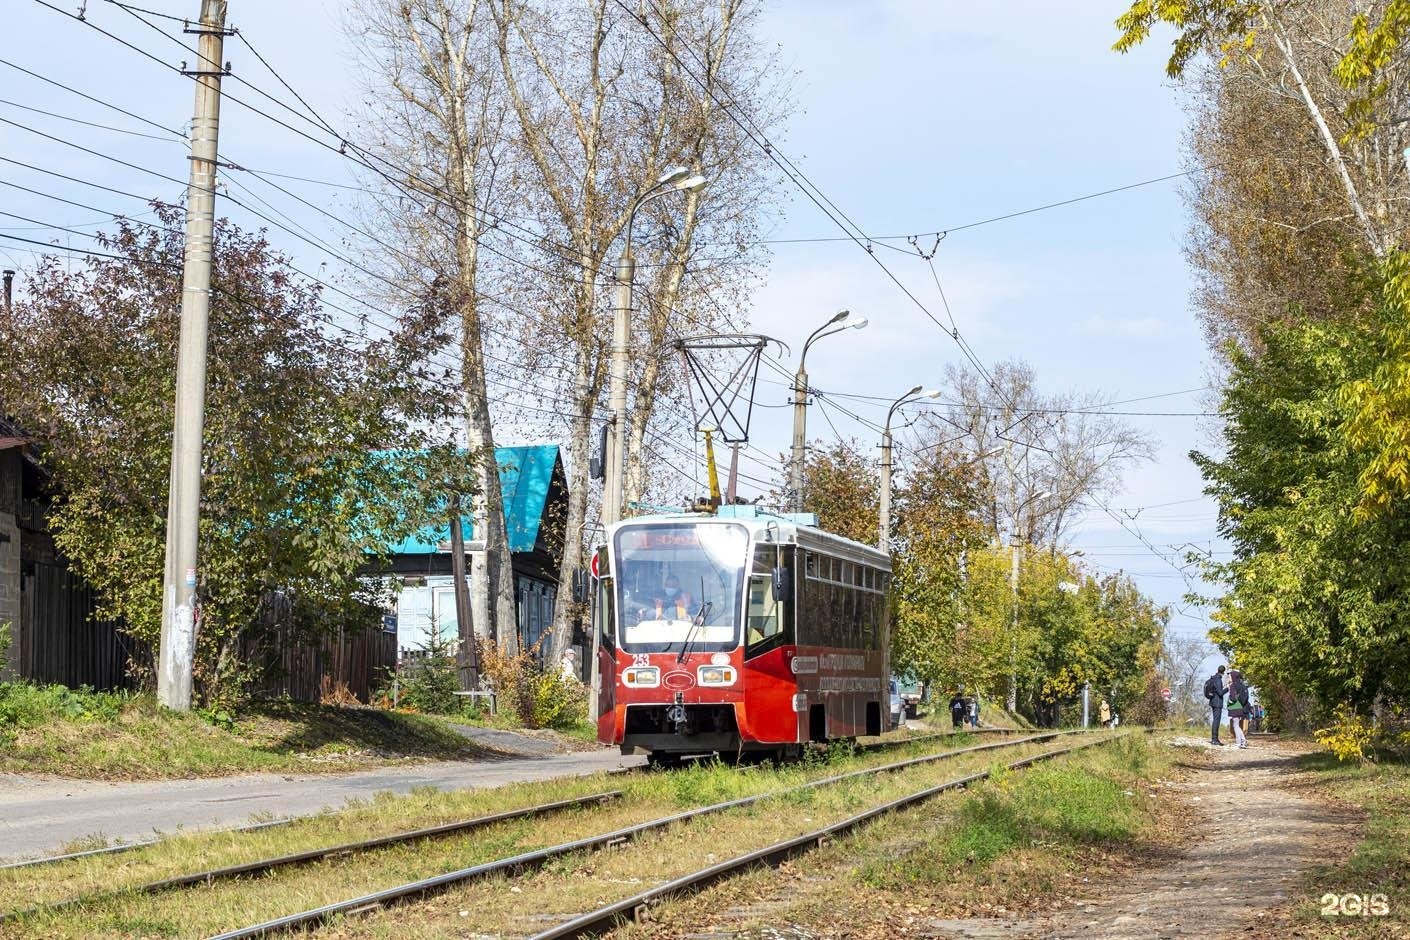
{"x":59,"y":640}
{"x":357,"y":661}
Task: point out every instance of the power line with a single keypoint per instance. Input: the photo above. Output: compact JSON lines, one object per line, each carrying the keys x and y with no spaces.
{"x":99,"y":101}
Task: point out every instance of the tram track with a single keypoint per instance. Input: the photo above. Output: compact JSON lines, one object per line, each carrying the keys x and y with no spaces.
{"x":289,"y":860}
{"x":634,"y":908}
{"x":525,"y":862}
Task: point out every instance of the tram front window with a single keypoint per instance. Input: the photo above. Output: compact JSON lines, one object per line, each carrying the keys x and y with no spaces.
{"x":679,"y":585}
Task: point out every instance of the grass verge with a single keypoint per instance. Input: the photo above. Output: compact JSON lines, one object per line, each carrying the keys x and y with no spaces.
{"x":206,"y":910}
{"x":1378,"y":867}
{"x":1024,"y":840}
{"x":105,"y":735}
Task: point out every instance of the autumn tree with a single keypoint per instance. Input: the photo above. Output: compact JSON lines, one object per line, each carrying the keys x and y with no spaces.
{"x":599,"y":115}
{"x":437,"y":105}
{"x":1041,"y":458}
{"x":298,"y":487}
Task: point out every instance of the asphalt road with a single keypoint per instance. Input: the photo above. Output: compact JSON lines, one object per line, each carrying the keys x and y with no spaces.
{"x":38,"y":816}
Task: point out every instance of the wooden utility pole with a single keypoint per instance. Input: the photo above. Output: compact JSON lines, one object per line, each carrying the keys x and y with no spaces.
{"x":467,"y":655}
{"x":179,"y":598}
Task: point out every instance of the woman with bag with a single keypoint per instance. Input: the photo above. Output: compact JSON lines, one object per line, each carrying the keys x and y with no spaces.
{"x":1238,"y":706}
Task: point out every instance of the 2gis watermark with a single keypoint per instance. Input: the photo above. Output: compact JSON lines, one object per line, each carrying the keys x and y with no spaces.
{"x":1354,"y":905}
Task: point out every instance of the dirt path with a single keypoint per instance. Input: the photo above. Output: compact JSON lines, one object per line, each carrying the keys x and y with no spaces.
{"x":1261,"y":830}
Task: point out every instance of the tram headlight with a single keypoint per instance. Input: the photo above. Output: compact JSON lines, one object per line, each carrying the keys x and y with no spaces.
{"x":642,"y":677}
{"x":716,"y":675}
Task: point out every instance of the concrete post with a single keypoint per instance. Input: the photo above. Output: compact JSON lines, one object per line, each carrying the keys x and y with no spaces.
{"x":800,"y":433}
{"x":613,"y":482}
{"x":179,"y":590}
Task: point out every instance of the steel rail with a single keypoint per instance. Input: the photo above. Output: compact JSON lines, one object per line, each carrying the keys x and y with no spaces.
{"x":526,"y":861}
{"x":147,"y":843}
{"x":312,"y":855}
{"x":923,"y":738}
{"x":130,"y":846}
{"x":612,"y":915}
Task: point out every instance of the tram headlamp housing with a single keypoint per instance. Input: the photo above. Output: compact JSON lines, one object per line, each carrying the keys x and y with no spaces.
{"x":716,"y":675}
{"x":642,"y":677}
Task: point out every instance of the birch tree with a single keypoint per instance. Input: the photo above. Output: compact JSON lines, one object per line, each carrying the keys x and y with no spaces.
{"x":440,"y":110}
{"x":597,"y":119}
{"x":1041,"y":457}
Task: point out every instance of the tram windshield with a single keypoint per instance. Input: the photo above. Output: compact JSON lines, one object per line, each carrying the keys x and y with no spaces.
{"x":678,"y":586}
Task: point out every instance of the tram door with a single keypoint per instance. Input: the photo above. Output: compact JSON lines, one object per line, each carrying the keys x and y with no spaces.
{"x":605,"y":646}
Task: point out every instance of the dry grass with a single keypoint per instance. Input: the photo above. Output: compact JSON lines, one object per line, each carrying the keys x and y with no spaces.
{"x":108,"y":736}
{"x":929,"y":863}
{"x":577,"y":884}
{"x":205,"y":910}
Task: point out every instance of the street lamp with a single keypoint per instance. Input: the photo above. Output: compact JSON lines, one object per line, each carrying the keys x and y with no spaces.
{"x":1015,"y":546}
{"x":883,"y":541}
{"x":678,"y":179}
{"x":840,"y":321}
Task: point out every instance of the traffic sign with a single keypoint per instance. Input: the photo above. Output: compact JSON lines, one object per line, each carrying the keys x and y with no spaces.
{"x":1165,"y":694}
{"x":592,"y":565}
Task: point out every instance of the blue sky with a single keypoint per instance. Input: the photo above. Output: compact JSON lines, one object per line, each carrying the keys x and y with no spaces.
{"x":913,"y":116}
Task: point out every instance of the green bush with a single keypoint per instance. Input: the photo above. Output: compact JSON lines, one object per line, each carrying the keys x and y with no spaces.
{"x":557,"y":701}
{"x":23,"y":705}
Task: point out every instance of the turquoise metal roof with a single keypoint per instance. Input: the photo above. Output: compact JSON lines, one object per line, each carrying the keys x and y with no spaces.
{"x":525,"y":476}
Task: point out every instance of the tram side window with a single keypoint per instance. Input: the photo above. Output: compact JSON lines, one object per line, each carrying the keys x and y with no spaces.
{"x":770,"y":621}
{"x":606,"y":612}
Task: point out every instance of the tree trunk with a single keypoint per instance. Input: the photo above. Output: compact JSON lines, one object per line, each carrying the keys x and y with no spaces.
{"x":1329,"y":141}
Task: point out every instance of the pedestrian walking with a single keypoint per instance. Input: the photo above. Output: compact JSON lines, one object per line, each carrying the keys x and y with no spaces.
{"x":972,"y":711}
{"x":1104,"y":713}
{"x":1238,"y":706}
{"x":957,"y":710}
{"x":1214,"y":695}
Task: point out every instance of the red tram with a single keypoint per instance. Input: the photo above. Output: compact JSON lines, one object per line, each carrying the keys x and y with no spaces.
{"x":739,"y":633}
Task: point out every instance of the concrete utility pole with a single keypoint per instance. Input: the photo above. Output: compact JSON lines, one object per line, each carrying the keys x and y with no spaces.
{"x":1016,"y":548}
{"x":838,"y":323}
{"x":614,"y":472}
{"x":9,"y":291}
{"x":179,"y":601}
{"x":883,"y":540}
{"x":613,"y":481}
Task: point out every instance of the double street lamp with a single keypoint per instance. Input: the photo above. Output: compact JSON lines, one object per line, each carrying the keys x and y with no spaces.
{"x":840,"y":321}
{"x":883,"y":540}
{"x":675,"y":180}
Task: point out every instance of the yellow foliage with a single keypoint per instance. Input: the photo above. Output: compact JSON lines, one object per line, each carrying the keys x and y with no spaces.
{"x":1350,"y":736}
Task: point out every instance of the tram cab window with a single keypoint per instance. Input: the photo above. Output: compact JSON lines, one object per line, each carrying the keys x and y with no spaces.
{"x":769,"y":622}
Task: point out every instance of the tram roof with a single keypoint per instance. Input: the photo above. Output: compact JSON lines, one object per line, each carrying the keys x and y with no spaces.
{"x":792,"y":528}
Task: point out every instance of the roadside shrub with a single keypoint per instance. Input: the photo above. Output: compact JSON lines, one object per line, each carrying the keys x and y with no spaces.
{"x":540,"y":698}
{"x":1349,"y":737}
{"x":5,"y":640}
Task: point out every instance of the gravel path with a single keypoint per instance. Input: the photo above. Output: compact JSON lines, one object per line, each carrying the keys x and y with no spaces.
{"x":1260,"y":834}
{"x":38,"y":816}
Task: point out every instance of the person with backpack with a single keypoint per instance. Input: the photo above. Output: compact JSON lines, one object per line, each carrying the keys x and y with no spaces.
{"x":1238,"y":707}
{"x":958,"y":709}
{"x":1214,"y":695}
